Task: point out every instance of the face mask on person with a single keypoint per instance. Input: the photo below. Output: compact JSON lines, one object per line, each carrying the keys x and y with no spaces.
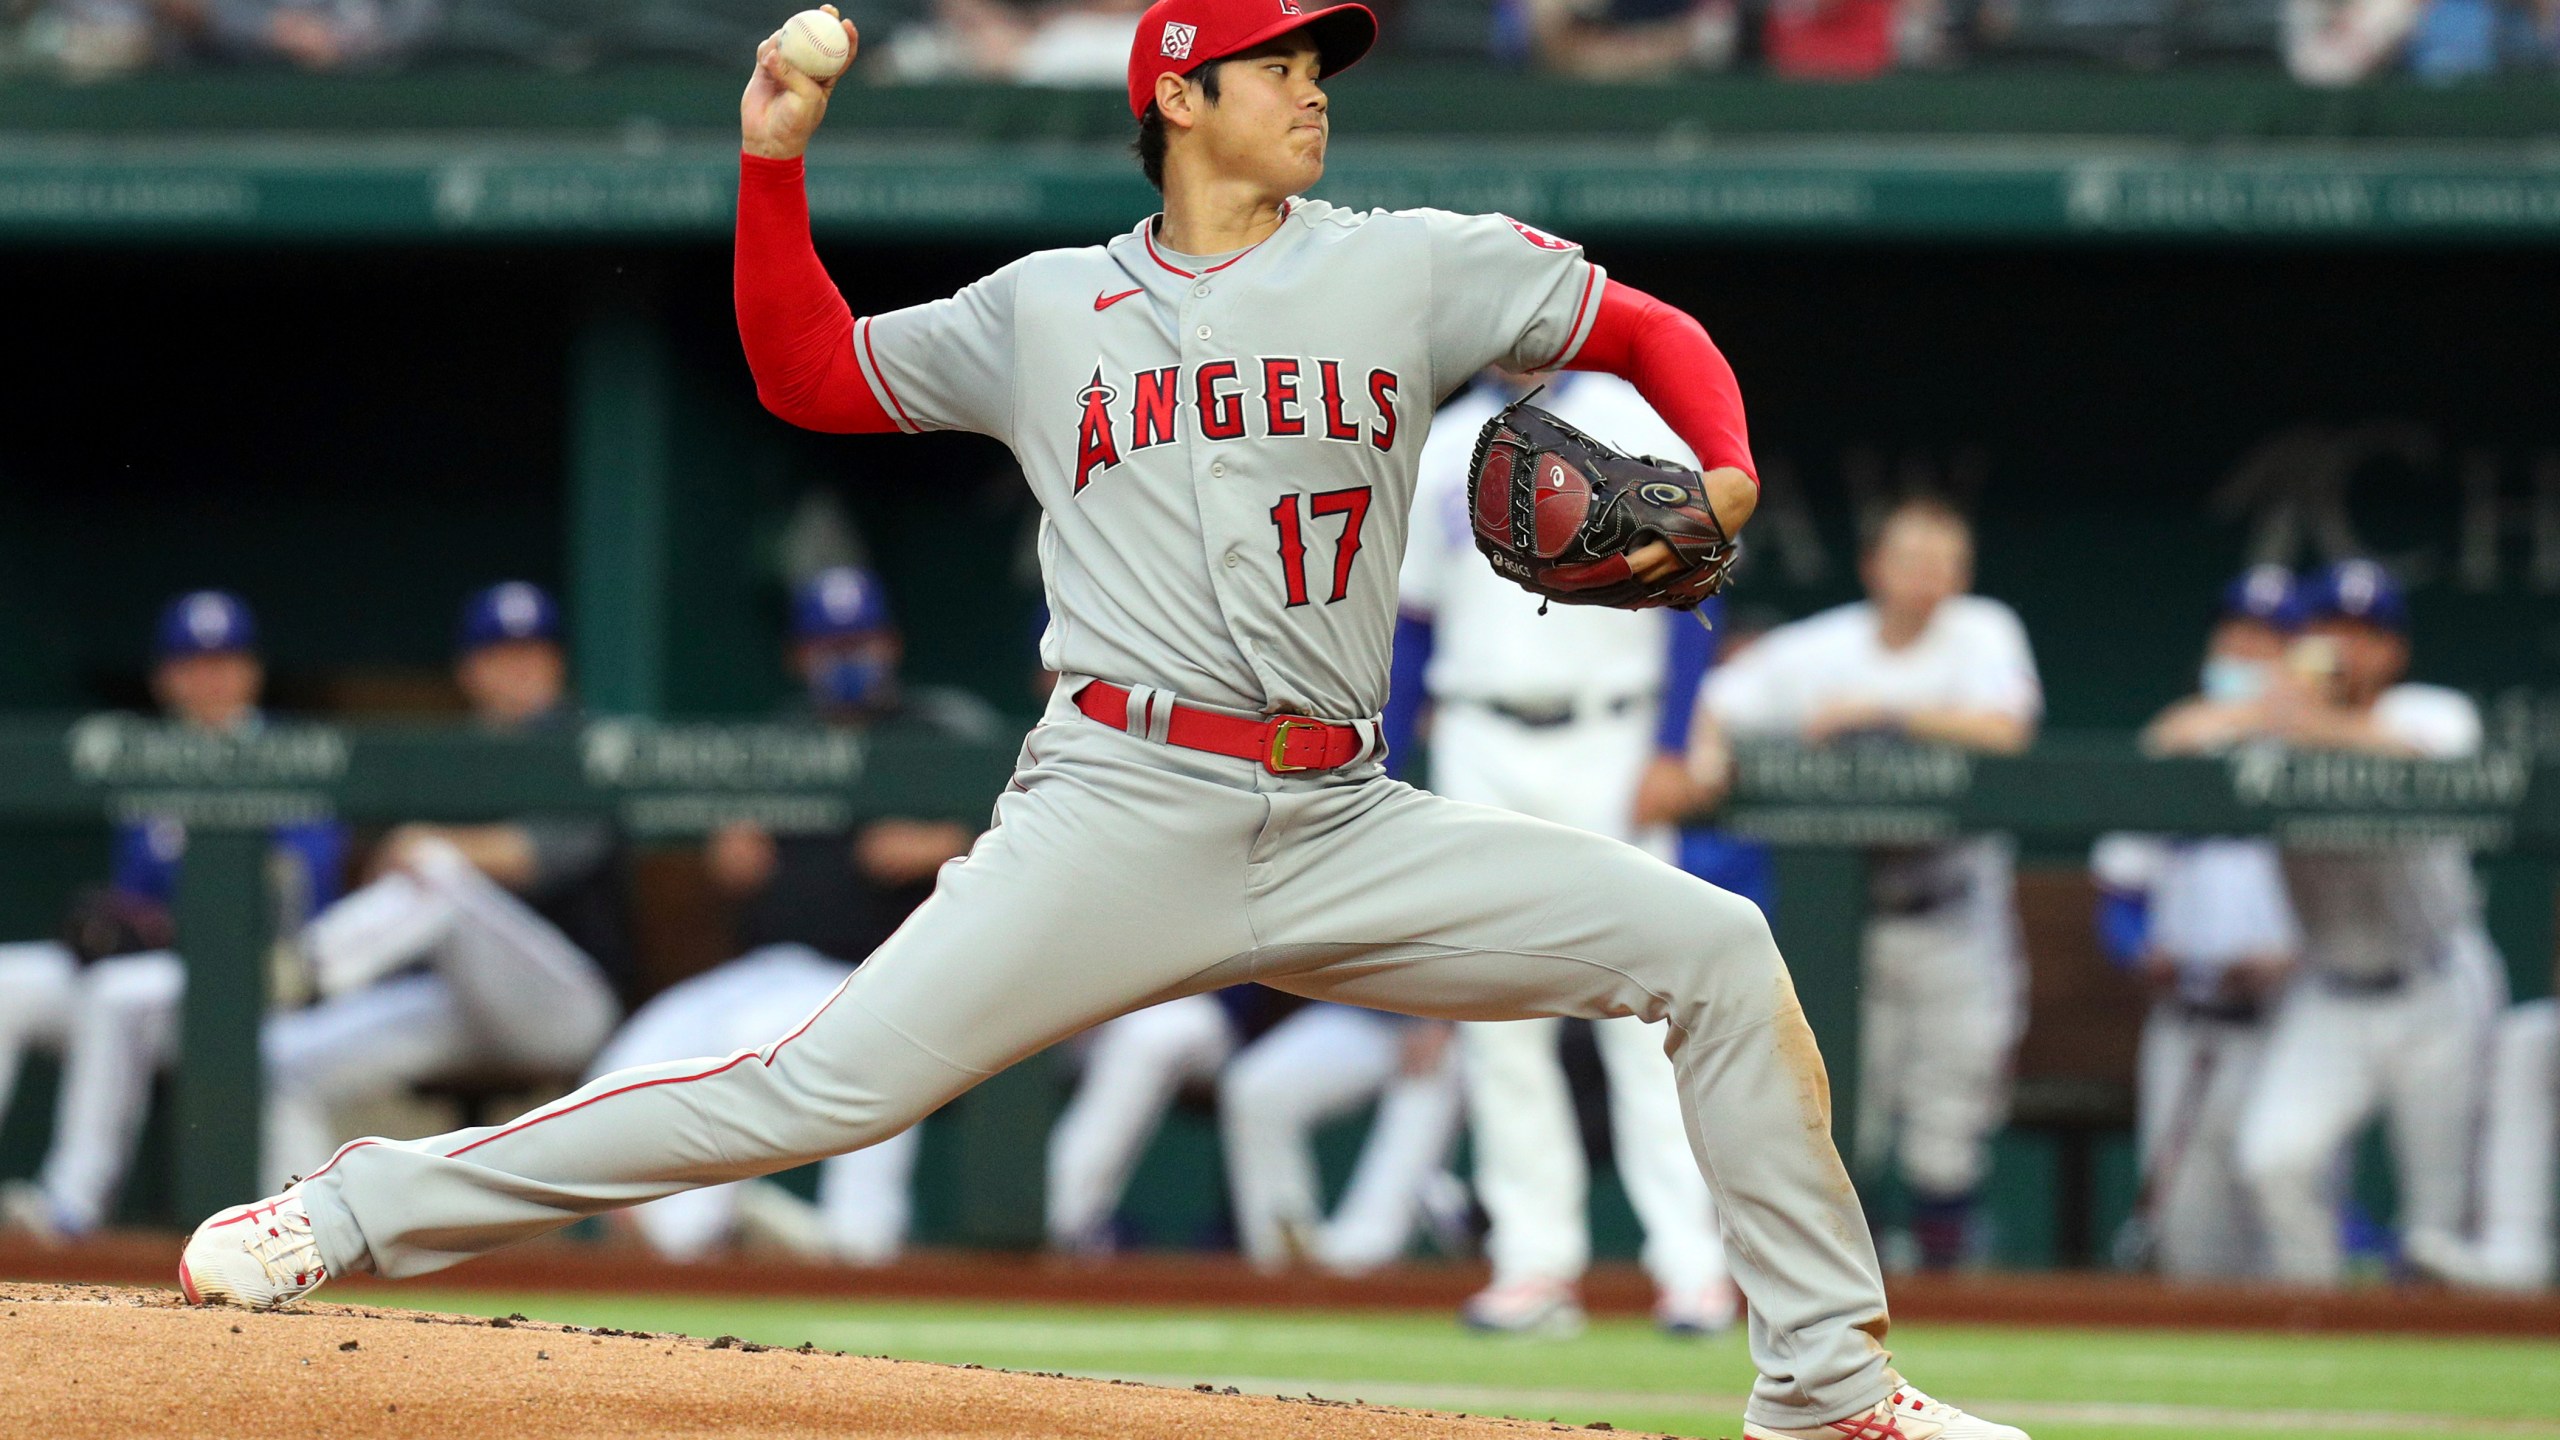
{"x":844,"y":682}
{"x":2231,"y":681}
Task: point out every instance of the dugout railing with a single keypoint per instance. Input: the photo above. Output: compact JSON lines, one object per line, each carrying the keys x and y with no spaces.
{"x":1822,"y":808}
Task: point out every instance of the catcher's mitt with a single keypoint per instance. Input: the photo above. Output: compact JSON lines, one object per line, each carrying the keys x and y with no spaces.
{"x":1559,"y":512}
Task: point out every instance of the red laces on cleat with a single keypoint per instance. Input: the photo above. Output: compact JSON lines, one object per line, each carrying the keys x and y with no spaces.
{"x":1877,"y":1424}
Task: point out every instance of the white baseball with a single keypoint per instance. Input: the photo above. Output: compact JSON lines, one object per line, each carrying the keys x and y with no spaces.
{"x":813,"y":41}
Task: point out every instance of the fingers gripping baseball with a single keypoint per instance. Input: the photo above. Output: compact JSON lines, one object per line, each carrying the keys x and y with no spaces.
{"x":785,"y":100}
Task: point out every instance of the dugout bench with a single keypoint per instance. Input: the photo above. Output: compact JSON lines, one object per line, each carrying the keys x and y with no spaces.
{"x":673,"y":781}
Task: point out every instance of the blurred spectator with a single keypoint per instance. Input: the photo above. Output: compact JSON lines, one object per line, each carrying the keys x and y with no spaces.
{"x":486,"y":954}
{"x":1618,"y":39}
{"x":107,"y":997}
{"x":95,"y":39}
{"x":1831,"y":39}
{"x":2205,"y":924}
{"x":2339,"y":42}
{"x":1945,"y":984}
{"x":809,"y":908}
{"x":1070,"y":44}
{"x":319,"y":34}
{"x":1321,"y":1063}
{"x":2393,"y":1009}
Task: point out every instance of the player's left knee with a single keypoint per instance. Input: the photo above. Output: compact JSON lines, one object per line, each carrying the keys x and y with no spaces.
{"x":1723,"y":939}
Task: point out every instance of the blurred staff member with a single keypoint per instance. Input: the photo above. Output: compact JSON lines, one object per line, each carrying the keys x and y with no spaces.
{"x":478,"y":951}
{"x":1559,"y":716}
{"x":809,"y":907}
{"x":1945,"y":987}
{"x":2206,"y":925}
{"x":1319,"y":1064}
{"x":108,"y":998}
{"x":2392,"y":1012}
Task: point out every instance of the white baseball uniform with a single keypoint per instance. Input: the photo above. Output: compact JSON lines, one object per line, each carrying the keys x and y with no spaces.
{"x":496,"y":989}
{"x":39,"y":980}
{"x":2390,"y":1016}
{"x":2212,"y":903}
{"x":1321,"y":1063}
{"x":2520,"y":1151}
{"x":1494,"y":659}
{"x":114,"y":1024}
{"x":1945,"y":992}
{"x":116,"y":1021}
{"x":1224,"y":450}
{"x":864,"y":1198}
{"x":1134,"y":1066}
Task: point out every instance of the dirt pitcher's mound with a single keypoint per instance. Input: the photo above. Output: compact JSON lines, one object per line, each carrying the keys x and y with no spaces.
{"x":84,"y":1361}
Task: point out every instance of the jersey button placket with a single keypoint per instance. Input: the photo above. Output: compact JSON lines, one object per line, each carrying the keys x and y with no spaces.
{"x":1219,"y":517}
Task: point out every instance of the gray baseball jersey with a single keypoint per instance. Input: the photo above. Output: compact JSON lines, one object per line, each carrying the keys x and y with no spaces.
{"x":1226,"y":447}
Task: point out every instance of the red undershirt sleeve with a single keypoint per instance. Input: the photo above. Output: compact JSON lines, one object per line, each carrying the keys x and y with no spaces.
{"x":795,"y":326}
{"x":1679,"y":371}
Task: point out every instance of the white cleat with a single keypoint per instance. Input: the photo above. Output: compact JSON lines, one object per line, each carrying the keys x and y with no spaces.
{"x":1906,"y":1414}
{"x":261,"y":1257}
{"x":1548,"y":1309}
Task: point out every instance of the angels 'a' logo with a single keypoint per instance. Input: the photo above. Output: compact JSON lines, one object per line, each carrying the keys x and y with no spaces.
{"x":1541,"y":238}
{"x":1096,"y":448}
{"x":1178,"y":38}
{"x":1290,"y":7}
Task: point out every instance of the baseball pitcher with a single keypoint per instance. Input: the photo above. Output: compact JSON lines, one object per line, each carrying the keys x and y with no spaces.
{"x":1220,"y":413}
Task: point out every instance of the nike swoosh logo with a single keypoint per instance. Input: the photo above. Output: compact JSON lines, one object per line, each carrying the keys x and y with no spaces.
{"x":1105,"y":302}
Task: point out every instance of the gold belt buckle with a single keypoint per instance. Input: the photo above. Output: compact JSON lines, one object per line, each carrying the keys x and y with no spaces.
{"x":1279,"y":741}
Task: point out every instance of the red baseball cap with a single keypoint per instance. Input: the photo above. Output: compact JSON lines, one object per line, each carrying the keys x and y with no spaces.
{"x":1176,"y":35}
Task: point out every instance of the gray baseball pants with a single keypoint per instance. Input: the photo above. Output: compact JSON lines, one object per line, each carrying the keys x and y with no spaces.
{"x":1121,"y":873}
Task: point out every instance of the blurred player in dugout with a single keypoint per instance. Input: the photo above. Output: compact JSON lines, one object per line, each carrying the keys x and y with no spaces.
{"x":1559,"y":716}
{"x":489,"y":954}
{"x":1944,"y":998}
{"x":806,"y":907}
{"x":1277,"y":1081}
{"x":2205,"y":923}
{"x":106,"y":998}
{"x":2399,"y":988}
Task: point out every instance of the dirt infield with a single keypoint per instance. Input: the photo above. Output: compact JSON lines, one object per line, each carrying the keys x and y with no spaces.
{"x":86,"y":1361}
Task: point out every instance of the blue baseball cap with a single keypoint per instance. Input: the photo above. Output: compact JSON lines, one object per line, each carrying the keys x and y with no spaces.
{"x":838,"y":601}
{"x":205,"y":622}
{"x":2357,"y":590}
{"x":2267,"y":594}
{"x":508,"y":611}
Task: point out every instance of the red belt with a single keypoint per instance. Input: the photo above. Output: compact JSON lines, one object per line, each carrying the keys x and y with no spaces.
{"x":1284,"y":744}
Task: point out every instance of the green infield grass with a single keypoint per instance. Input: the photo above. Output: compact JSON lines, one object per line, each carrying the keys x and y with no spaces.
{"x":2062,"y":1384}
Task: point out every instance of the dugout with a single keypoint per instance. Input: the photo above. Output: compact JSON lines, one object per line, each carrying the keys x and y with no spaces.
{"x":342,"y":345}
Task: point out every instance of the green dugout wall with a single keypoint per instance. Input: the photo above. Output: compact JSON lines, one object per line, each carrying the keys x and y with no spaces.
{"x":355,"y":436}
